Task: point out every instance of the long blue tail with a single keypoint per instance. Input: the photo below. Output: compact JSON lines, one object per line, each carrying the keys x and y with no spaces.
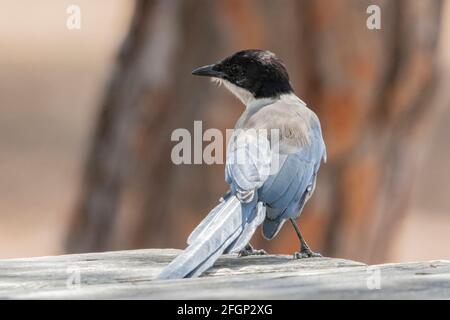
{"x":227,"y":228}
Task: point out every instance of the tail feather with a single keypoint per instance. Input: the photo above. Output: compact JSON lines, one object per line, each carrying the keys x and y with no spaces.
{"x":203,"y":225}
{"x":209,"y":261}
{"x":224,"y":227}
{"x":249,"y":229}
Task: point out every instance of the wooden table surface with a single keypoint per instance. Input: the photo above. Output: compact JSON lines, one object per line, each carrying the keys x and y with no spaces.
{"x":130,"y":275}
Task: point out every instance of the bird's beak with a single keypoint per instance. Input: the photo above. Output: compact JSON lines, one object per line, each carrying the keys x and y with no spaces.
{"x":207,"y":71}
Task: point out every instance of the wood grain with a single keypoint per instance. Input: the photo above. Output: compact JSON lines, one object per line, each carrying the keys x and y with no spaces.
{"x":131,"y":274}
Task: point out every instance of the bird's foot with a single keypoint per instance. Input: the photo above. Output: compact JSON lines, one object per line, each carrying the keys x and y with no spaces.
{"x":306,"y":253}
{"x":250,"y":251}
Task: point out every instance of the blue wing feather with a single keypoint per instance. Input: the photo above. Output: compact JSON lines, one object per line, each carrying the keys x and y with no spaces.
{"x":294,"y":181}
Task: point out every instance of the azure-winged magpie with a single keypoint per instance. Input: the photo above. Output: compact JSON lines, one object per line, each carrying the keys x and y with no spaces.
{"x":262,"y":190}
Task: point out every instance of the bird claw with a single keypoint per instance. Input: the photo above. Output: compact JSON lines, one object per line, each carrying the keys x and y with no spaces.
{"x":306,"y":254}
{"x":251,"y":252}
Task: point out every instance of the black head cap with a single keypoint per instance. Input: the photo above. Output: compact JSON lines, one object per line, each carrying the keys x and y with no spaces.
{"x":259,"y":72}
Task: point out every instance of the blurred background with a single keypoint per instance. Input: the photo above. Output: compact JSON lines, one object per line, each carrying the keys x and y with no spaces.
{"x":86,"y":119}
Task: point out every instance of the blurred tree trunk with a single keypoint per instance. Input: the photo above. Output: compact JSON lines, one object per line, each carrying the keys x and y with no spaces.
{"x":369,"y":87}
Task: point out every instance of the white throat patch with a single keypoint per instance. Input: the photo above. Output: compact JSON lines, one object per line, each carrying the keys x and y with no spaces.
{"x":245,"y":96}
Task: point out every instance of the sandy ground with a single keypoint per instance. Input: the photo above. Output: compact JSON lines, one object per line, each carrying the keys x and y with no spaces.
{"x":50,"y":85}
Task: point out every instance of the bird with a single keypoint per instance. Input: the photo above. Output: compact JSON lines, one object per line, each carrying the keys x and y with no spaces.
{"x":272,"y":162}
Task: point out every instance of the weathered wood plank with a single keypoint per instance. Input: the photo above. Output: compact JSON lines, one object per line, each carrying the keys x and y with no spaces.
{"x":131,"y":274}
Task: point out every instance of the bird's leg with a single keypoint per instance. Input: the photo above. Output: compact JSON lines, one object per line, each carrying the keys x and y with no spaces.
{"x":250,"y":251}
{"x":305,"y":251}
